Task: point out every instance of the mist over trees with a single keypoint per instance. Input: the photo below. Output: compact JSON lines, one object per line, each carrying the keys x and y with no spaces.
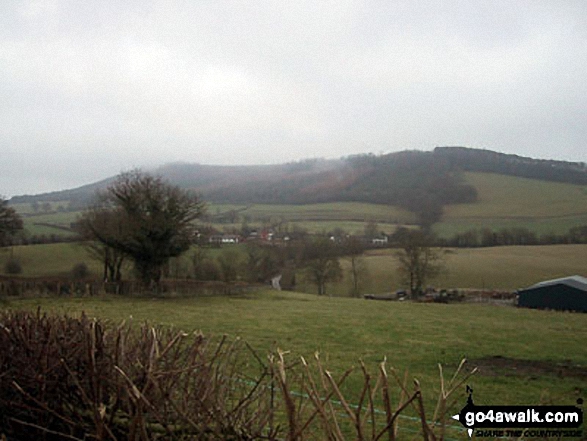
{"x":468,"y":159}
{"x":416,"y":181}
{"x":420,"y":182}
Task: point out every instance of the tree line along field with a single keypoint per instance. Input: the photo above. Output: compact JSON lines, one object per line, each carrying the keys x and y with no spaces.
{"x":495,"y":268}
{"x":413,"y":336}
{"x":503,"y":268}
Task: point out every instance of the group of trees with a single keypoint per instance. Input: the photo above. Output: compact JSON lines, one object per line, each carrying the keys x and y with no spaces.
{"x":477,"y":160}
{"x":419,"y":261}
{"x":486,"y":237}
{"x":142,"y":218}
{"x":10,"y":223}
{"x":420,"y":182}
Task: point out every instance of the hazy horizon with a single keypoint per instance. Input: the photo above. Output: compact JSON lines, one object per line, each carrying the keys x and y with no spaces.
{"x":90,"y":90}
{"x":157,"y":168}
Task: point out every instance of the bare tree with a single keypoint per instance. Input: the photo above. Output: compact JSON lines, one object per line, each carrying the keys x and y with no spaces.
{"x":354,"y":248}
{"x":263,"y":262}
{"x":155,"y":221}
{"x":419,"y":261}
{"x":10,"y":222}
{"x":321,"y":258}
{"x":109,"y":223}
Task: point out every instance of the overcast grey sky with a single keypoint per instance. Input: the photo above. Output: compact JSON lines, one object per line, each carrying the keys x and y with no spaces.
{"x":88,"y":89}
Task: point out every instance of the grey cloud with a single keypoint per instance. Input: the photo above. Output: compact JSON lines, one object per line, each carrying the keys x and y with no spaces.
{"x":107,"y":86}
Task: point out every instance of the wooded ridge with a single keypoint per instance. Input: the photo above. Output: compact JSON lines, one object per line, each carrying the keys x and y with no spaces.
{"x":421,"y":182}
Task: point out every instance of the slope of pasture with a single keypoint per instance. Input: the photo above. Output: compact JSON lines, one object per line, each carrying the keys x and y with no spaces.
{"x":507,"y":201}
{"x":48,"y":260}
{"x":311,"y":227}
{"x":412,"y":336}
{"x":316,"y":218}
{"x":506,"y":268}
{"x":339,"y":211}
{"x":27,"y":208}
{"x":51,"y":223}
{"x":503,"y":202}
{"x":351,"y":217}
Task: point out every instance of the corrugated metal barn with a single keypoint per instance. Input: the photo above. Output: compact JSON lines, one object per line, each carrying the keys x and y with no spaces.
{"x":566,"y":294}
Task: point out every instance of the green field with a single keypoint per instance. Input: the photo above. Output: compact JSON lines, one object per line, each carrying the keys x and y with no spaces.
{"x":51,"y":223}
{"x":350,"y":217}
{"x":315,"y":218}
{"x":503,"y":268}
{"x":49,"y":259}
{"x":510,"y":202}
{"x":336,"y":211}
{"x":507,"y":268}
{"x":503,"y":202}
{"x":413,"y":337}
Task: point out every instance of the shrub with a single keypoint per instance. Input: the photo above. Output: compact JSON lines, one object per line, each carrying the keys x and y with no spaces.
{"x":208,"y":271}
{"x":13,"y":266}
{"x":81,"y":377}
{"x":80,"y":271}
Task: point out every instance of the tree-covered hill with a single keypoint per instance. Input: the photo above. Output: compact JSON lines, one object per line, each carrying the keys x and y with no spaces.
{"x":468,"y":159}
{"x":421,"y":182}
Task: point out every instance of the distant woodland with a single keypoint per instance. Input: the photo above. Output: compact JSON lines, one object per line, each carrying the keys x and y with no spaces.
{"x":421,"y":182}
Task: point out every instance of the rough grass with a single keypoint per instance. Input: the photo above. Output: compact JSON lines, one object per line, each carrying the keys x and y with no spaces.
{"x":412,"y":336}
{"x":61,"y":219}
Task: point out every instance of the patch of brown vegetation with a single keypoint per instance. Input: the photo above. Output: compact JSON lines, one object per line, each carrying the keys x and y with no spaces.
{"x":504,"y":366}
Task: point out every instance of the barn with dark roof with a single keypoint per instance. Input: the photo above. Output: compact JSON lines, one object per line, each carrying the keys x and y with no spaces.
{"x":566,"y":294}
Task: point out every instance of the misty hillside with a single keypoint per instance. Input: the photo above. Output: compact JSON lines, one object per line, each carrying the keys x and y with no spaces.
{"x":422,"y":182}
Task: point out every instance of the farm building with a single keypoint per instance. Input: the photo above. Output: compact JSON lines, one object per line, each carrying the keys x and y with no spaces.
{"x":567,"y":294}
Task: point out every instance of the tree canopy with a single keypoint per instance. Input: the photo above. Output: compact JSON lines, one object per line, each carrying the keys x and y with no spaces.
{"x":418,"y":261}
{"x":146,"y":219}
{"x":321,"y":257}
{"x":10,"y":222}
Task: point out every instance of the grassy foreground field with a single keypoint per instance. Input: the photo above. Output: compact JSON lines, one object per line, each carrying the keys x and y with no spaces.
{"x":413,"y":337}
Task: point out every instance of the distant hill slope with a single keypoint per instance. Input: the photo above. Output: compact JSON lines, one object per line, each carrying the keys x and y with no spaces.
{"x":510,"y":202}
{"x":421,"y":182}
{"x":468,"y":159}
